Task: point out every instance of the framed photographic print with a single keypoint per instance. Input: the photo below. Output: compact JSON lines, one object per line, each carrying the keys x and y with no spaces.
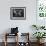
{"x":18,"y":13}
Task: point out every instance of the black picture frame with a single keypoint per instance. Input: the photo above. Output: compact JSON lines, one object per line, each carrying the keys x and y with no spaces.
{"x":18,"y":13}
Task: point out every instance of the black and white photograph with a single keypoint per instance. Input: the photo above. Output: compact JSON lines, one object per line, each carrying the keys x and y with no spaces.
{"x":17,"y":13}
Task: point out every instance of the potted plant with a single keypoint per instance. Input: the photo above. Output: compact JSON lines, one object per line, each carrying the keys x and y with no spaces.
{"x":39,"y":35}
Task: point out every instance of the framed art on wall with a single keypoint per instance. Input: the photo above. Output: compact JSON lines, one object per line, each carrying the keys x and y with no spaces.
{"x":41,"y":12}
{"x":18,"y":13}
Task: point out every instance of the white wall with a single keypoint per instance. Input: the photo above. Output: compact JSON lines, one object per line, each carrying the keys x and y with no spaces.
{"x":24,"y":25}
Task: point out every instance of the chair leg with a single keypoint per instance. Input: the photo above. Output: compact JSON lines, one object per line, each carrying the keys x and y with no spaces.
{"x":5,"y":44}
{"x":5,"y":40}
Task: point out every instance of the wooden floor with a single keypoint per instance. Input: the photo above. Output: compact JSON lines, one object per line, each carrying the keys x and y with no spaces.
{"x":13,"y":44}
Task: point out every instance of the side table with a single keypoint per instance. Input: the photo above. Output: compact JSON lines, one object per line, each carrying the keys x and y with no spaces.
{"x":8,"y":34}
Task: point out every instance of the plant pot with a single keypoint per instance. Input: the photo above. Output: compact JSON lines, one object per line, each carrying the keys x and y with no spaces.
{"x":40,"y":40}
